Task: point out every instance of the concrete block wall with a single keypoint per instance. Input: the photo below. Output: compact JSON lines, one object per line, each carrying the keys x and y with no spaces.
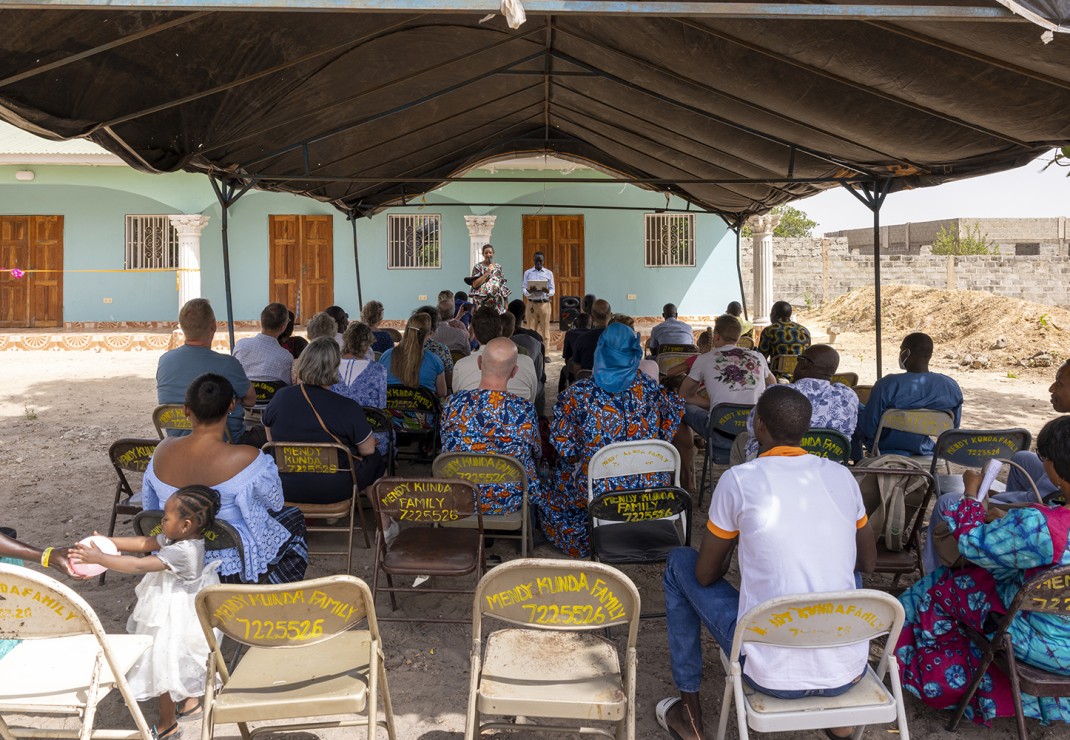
{"x":1022,"y":236}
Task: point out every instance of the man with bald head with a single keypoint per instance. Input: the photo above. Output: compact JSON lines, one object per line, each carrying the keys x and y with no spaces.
{"x":917,"y":388}
{"x":835,"y":405}
{"x":491,"y":419}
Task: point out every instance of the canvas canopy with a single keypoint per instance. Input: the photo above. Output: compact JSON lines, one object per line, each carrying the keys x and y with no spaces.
{"x":735,"y":107}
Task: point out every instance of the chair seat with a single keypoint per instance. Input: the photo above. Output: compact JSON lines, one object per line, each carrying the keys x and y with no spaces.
{"x":571,"y":675}
{"x":497,"y":522}
{"x":315,"y":511}
{"x":890,"y":561}
{"x":868,"y":703}
{"x":52,"y":675}
{"x":636,"y":542}
{"x":427,"y":551}
{"x":306,"y":681}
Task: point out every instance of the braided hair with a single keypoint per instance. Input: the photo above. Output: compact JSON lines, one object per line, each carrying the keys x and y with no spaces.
{"x":199,"y":504}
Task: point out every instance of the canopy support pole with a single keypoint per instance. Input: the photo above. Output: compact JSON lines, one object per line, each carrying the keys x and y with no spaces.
{"x":872,"y":196}
{"x":738,"y":229}
{"x":356,"y":257}
{"x":228,"y":193}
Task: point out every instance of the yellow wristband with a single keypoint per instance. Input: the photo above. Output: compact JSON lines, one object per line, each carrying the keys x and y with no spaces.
{"x":45,"y":555}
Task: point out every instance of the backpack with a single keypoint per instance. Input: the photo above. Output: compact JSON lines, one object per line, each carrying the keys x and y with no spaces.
{"x":891,"y":500}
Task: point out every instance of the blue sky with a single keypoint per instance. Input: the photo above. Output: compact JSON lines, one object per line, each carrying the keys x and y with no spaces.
{"x":1024,"y":192}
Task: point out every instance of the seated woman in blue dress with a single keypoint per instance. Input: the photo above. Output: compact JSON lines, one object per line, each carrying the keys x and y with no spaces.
{"x":619,"y":403}
{"x":273,"y":536}
{"x":411,"y":365}
{"x":311,"y":412}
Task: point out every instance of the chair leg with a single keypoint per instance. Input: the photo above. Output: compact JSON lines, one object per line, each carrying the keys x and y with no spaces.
{"x":702,"y":480}
{"x":726,"y":709}
{"x":978,"y":675}
{"x":393,"y":594}
{"x":1016,"y":689}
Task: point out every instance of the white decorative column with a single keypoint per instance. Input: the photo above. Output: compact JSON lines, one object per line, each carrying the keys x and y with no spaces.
{"x":189,"y":228}
{"x":762,"y":248}
{"x":479,"y":228}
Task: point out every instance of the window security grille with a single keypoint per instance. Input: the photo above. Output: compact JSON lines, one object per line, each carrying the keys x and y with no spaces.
{"x":670,"y":239}
{"x":151,"y":242}
{"x":414,"y":241}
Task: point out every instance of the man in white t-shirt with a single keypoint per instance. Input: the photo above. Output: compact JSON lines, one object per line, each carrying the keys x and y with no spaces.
{"x":801,"y":527}
{"x":728,"y":374}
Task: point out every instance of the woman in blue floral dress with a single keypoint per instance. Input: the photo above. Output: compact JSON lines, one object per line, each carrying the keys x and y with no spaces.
{"x":936,"y":658}
{"x":361,"y":380}
{"x":619,"y":403}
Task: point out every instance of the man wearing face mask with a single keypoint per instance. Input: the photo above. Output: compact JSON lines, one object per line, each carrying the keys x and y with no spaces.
{"x":917,"y":388}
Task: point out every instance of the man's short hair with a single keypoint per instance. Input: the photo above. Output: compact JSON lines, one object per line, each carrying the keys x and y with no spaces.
{"x":508,"y":322}
{"x":728,"y":328}
{"x":583,"y":321}
{"x":446,"y":309}
{"x":196,"y":318}
{"x":668,"y":311}
{"x":538,"y":255}
{"x":486,"y":325}
{"x":321,"y":325}
{"x":516,"y":307}
{"x":600,"y":311}
{"x":274,"y":317}
{"x":785,"y":412}
{"x":735,"y":308}
{"x":920,"y":345}
{"x":1053,"y":443}
{"x":781,"y":311}
{"x":445,"y":295}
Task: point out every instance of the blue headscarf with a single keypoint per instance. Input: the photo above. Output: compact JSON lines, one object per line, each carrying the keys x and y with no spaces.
{"x":616,"y":358}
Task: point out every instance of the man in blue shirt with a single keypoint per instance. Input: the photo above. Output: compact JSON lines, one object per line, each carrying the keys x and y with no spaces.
{"x":538,"y":298}
{"x":669,"y":331}
{"x":917,"y":388}
{"x":181,"y":366}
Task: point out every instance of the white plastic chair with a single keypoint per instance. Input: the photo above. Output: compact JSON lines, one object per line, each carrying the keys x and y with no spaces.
{"x":66,"y":664}
{"x":819,"y":620}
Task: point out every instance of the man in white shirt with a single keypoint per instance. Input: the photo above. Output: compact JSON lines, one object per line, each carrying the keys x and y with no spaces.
{"x":487,"y":325}
{"x":726,"y":374}
{"x":801,"y":528}
{"x":262,"y":357}
{"x":670,"y":331}
{"x":538,"y":299}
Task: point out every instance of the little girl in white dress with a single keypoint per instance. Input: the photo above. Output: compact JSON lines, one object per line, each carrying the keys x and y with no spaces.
{"x":173,"y":669}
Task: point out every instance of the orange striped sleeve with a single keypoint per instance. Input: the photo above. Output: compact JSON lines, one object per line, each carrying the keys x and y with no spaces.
{"x":722,"y":533}
{"x":862,"y":522}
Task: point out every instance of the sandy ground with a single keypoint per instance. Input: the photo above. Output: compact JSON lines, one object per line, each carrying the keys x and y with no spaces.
{"x":59,"y":411}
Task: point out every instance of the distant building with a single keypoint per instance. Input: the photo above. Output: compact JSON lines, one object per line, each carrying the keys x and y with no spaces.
{"x":1028,"y":237}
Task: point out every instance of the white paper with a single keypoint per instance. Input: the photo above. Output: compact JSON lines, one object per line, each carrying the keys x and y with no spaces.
{"x":988,"y":477}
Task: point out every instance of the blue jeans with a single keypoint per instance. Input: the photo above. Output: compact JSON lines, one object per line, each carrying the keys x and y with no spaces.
{"x":688,"y":606}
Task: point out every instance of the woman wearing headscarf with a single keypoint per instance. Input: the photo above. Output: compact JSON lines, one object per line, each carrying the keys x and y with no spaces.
{"x":619,"y":403}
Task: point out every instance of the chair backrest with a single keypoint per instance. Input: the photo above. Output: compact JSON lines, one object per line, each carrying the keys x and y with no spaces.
{"x":424,"y":500}
{"x":394,"y":334}
{"x":668,"y":360}
{"x":480,"y":468}
{"x":266,"y":390}
{"x":821,"y":620}
{"x":378,"y":419}
{"x":972,"y":447}
{"x":896,"y":493}
{"x":827,"y":443}
{"x":168,"y":416}
{"x":862,"y":391}
{"x":37,"y":606}
{"x":730,"y":418}
{"x":635,"y":457}
{"x":640,"y":525}
{"x":130,"y":455}
{"x":219,"y":536}
{"x":848,"y":379}
{"x":286,"y":615}
{"x":456,"y":355}
{"x":557,"y":595}
{"x":311,"y":457}
{"x":584,"y":374}
{"x":1046,"y":591}
{"x":783,"y":364}
{"x":686,"y":349}
{"x":412,"y":409}
{"x":746,"y":342}
{"x":929,"y":422}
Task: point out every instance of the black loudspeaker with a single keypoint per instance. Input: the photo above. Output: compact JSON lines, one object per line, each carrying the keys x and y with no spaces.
{"x":569,"y":309}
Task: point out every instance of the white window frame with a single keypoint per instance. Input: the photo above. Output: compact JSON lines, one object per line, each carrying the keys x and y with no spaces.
{"x":141,"y":250}
{"x":400,"y":229}
{"x":658,"y":249}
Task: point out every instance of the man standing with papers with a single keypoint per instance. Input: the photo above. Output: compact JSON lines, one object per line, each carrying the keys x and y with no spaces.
{"x":538,"y":287}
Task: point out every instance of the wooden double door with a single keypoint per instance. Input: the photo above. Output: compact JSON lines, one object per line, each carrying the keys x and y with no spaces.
{"x":301,"y":271}
{"x":560,"y":239}
{"x":33,"y":244}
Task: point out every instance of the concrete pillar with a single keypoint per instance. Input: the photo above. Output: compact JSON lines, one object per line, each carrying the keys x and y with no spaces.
{"x":479,"y":228}
{"x":189,"y":228}
{"x":762,"y":236}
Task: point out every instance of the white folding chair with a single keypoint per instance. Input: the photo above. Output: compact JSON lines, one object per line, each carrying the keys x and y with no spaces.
{"x":636,"y":457}
{"x":928,"y":422}
{"x":819,"y":620}
{"x":65,"y":663}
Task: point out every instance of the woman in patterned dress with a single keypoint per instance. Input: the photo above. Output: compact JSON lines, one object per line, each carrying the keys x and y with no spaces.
{"x":361,"y":380}
{"x":619,"y":403}
{"x":936,"y":658}
{"x":488,"y":283}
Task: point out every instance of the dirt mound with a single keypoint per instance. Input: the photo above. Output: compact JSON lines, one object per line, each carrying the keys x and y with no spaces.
{"x":961,"y":322}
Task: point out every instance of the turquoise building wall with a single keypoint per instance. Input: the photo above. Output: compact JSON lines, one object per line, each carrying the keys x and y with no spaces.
{"x":94,"y":201}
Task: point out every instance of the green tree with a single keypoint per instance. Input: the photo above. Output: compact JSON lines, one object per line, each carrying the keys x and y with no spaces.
{"x":1060,"y":157}
{"x":794,"y":224}
{"x":974,"y":241}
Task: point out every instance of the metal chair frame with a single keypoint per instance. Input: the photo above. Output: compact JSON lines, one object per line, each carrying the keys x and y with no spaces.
{"x":493,"y":468}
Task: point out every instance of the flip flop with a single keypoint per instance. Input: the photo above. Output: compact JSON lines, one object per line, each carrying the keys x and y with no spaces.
{"x":168,"y":732}
{"x":662,"y":709}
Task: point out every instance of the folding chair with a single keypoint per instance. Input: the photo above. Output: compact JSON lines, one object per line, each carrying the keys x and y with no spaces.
{"x":783,"y":366}
{"x":266,"y":390}
{"x":394,"y":333}
{"x":382,"y":423}
{"x":848,"y":379}
{"x":172,"y":417}
{"x":323,"y":458}
{"x":65,"y":664}
{"x":551,"y":664}
{"x":862,"y":391}
{"x":220,"y":536}
{"x":928,"y":422}
{"x":488,"y":468}
{"x":907,"y":560}
{"x":829,"y":619}
{"x":669,"y":360}
{"x":686,"y":349}
{"x":972,"y":448}
{"x":422,"y":547}
{"x":304,"y":658}
{"x":746,"y":342}
{"x":728,"y":420}
{"x":1047,"y":592}
{"x":827,"y":443}
{"x":415,"y":414}
{"x":128,"y":455}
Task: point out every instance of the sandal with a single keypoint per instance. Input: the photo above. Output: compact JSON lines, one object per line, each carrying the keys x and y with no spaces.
{"x":192,"y":715}
{"x":662,"y":709}
{"x":168,"y":732}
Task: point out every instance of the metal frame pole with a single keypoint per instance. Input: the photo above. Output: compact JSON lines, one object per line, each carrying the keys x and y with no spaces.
{"x":227,"y":193}
{"x":872,"y":195}
{"x":356,"y":259}
{"x":738,"y":228}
